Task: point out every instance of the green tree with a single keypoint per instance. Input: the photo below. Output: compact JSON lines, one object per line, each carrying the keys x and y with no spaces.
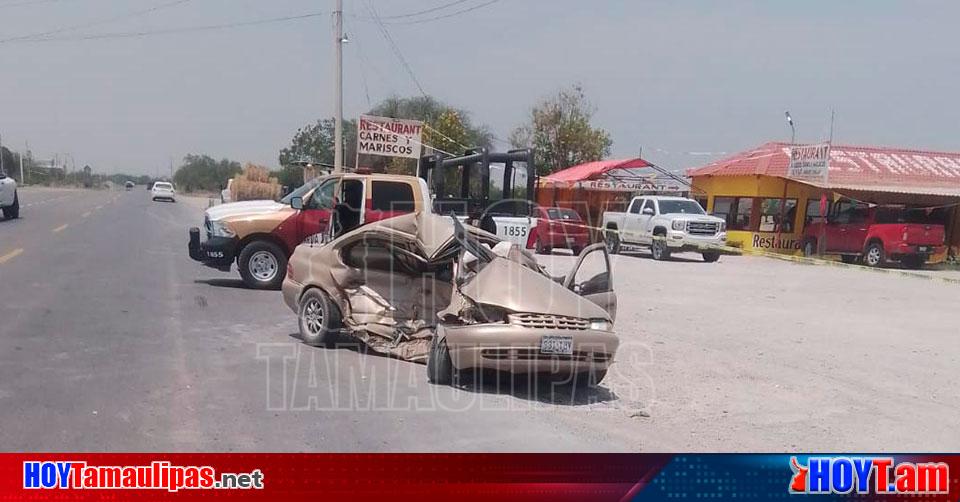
{"x":202,"y":172}
{"x":314,"y":143}
{"x":559,"y":129}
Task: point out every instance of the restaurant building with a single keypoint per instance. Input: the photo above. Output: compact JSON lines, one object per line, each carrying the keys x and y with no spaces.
{"x":766,"y":210}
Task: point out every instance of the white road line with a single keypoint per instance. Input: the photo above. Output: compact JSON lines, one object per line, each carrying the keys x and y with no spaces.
{"x":61,"y":228}
{"x":86,"y":214}
{"x":11,"y":255}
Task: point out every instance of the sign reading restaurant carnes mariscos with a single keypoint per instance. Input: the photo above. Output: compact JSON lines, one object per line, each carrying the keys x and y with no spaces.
{"x":810,"y":162}
{"x":388,"y":136}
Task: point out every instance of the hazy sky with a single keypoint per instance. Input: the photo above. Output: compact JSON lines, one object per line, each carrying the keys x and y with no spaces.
{"x":671,"y":76}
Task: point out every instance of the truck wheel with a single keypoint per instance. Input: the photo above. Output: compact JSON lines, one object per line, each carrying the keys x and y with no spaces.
{"x":809,"y":247}
{"x":711,"y":256}
{"x":612,"y":240}
{"x":262,"y":265}
{"x":874,"y":256}
{"x":319,"y":318}
{"x":541,"y":249}
{"x":12,"y":211}
{"x":587,"y":379}
{"x":659,"y":248}
{"x":439,"y":366}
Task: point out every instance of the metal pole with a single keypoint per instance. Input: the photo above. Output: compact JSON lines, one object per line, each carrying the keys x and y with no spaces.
{"x":338,"y":100}
{"x":1,"y":154}
{"x":22,"y":182}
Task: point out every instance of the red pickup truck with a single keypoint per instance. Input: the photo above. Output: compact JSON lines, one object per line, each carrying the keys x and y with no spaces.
{"x":876,"y":235}
{"x":559,"y":227}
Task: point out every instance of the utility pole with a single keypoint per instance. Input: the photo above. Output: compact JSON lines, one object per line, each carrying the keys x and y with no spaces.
{"x":22,"y":181}
{"x":1,"y":154}
{"x":338,"y":99}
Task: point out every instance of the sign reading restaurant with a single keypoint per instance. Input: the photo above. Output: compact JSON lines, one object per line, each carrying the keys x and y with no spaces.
{"x":809,"y":162}
{"x":389,"y":137}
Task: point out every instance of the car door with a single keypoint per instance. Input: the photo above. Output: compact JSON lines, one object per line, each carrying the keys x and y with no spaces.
{"x":634,"y":222}
{"x":857,"y":228}
{"x":314,"y":218}
{"x":835,"y":231}
{"x":591,"y":277}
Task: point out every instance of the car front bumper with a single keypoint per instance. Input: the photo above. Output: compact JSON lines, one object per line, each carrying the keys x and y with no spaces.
{"x":688,"y":242}
{"x":508,"y":347}
{"x":216,"y":252}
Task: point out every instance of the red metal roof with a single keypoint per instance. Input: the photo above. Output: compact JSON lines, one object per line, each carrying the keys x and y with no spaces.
{"x":854,"y":167}
{"x":619,"y":169}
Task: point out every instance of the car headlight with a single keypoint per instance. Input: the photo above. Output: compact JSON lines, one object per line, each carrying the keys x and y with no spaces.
{"x":219,"y":229}
{"x":723,"y":226}
{"x":601,"y":325}
{"x":678,"y":224}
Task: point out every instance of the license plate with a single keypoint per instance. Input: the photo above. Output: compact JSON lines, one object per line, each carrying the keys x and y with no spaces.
{"x":925,"y":249}
{"x":556,"y":345}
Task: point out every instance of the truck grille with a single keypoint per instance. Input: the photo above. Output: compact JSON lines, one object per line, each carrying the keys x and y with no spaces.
{"x":207,"y":227}
{"x":701,"y":228}
{"x":543,"y":321}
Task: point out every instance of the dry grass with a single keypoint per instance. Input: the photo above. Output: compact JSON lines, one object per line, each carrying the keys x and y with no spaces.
{"x":255,"y":183}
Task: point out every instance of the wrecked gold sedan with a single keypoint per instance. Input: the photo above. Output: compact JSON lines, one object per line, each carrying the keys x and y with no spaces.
{"x":425,"y":287}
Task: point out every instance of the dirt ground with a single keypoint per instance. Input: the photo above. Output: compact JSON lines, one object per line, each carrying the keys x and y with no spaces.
{"x":756,"y":354}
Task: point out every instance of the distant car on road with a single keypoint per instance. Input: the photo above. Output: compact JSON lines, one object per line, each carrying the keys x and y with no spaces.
{"x":163,"y":191}
{"x":559,"y":227}
{"x":129,"y":185}
{"x":425,"y":287}
{"x":666,"y":225}
{"x":876,"y":235}
{"x":9,"y":200}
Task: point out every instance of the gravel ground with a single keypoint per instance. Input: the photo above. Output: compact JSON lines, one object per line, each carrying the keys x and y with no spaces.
{"x":756,"y":354}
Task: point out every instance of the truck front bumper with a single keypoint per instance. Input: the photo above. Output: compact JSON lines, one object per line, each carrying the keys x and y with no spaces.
{"x":216,"y":252}
{"x":682,"y":241}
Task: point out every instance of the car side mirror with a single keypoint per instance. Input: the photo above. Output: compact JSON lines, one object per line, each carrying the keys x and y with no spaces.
{"x":648,"y":211}
{"x":296,"y":203}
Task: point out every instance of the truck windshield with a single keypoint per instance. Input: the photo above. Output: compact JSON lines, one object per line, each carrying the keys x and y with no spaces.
{"x":680,"y":206}
{"x":302,"y":190}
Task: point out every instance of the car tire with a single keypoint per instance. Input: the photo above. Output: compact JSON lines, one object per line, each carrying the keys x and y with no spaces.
{"x":319,"y":318}
{"x":12,"y":211}
{"x":874,"y":256}
{"x":262,"y":265}
{"x":541,"y":249}
{"x":439,"y":365}
{"x":659,"y":248}
{"x":810,"y":248}
{"x":586,"y":379}
{"x":612,"y":239}
{"x":711,"y":256}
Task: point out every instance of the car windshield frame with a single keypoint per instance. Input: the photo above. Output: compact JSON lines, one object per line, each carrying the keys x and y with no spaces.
{"x":163,"y":185}
{"x":303,"y":189}
{"x":679,"y":205}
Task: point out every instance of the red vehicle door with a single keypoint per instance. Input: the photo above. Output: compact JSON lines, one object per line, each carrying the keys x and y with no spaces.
{"x":838,"y":228}
{"x":314,"y":218}
{"x":856,"y":234}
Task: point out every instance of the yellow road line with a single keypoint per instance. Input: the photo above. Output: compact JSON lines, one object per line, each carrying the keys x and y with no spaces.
{"x":61,"y":228}
{"x":11,"y":255}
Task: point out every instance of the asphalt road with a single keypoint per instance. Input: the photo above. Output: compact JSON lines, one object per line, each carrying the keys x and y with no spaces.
{"x":111,"y":338}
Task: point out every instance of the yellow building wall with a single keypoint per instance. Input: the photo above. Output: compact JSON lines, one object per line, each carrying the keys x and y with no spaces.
{"x":766,"y":187}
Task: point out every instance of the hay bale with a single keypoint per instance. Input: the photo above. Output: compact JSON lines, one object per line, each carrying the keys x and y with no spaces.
{"x":254,"y":183}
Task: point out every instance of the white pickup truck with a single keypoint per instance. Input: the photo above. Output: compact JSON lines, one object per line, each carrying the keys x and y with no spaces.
{"x":665,"y":225}
{"x":9,"y":201}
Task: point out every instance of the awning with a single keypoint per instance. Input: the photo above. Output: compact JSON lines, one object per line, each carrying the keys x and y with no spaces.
{"x":616,"y":175}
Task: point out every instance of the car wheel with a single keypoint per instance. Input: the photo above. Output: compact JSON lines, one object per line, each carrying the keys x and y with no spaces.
{"x":439,"y":365}
{"x":262,"y":265}
{"x":319,"y":318}
{"x":874,"y":256}
{"x":12,"y":211}
{"x":540,"y":248}
{"x":711,"y":256}
{"x":849,"y":259}
{"x":612,"y":240}
{"x":589,"y":378}
{"x":659,"y":249}
{"x":809,"y":247}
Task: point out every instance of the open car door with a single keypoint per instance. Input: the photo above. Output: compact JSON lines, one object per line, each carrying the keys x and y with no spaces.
{"x":591,"y":278}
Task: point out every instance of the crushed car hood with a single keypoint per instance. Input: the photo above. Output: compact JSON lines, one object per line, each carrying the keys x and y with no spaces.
{"x":245,"y":208}
{"x":529,"y":291}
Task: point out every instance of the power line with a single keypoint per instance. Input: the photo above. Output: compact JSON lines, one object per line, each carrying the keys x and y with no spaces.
{"x":445,"y":16}
{"x":188,"y":29}
{"x":394,"y":47}
{"x":97,"y":22}
{"x":426,"y":11}
{"x":26,"y":2}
